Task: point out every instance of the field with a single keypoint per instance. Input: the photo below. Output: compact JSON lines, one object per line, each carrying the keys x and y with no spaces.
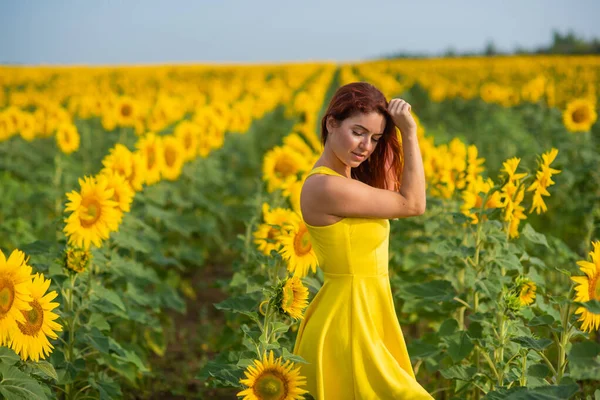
{"x":152,"y":246}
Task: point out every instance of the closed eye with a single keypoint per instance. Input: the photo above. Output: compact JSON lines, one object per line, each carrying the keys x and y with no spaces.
{"x":360,"y":134}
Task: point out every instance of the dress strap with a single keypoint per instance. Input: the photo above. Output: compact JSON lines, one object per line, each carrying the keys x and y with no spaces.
{"x":323,"y":170}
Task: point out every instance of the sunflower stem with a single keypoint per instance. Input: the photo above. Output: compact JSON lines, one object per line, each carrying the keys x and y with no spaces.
{"x":547,"y":361}
{"x":565,"y":337}
{"x":492,"y":366}
{"x":523,"y":379}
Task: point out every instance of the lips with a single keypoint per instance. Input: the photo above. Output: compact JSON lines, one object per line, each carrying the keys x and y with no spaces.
{"x":359,"y":156}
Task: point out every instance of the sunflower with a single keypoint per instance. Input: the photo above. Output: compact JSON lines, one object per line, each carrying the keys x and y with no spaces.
{"x":266,"y":237}
{"x":474,"y":165}
{"x":543,"y":179}
{"x":516,"y":214}
{"x":204,"y":145}
{"x":151,"y":147}
{"x":588,"y":288}
{"x":126,"y":111}
{"x":297,"y":248}
{"x":294,"y":297}
{"x":173,"y":156}
{"x":122,"y":192}
{"x":473,"y":199}
{"x":296,"y":142}
{"x":270,"y":379}
{"x":138,"y":171}
{"x":187,"y":132}
{"x":77,"y":259}
{"x":27,"y":126}
{"x":119,"y":160}
{"x":525,"y":290}
{"x":580,"y":115}
{"x":6,"y":127}
{"x":292,"y":189}
{"x":93,"y":214}
{"x":281,"y":163}
{"x":67,"y":138}
{"x":14,"y":292}
{"x":30,"y":340}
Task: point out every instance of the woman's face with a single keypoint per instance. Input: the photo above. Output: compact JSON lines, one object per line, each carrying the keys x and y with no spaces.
{"x":354,"y":139}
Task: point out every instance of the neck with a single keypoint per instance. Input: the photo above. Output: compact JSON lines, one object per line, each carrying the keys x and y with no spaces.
{"x":330,"y":160}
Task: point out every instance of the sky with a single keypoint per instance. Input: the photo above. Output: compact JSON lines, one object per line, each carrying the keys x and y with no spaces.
{"x":252,"y":31}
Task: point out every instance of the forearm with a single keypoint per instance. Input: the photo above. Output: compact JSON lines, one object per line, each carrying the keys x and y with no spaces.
{"x":413,"y":173}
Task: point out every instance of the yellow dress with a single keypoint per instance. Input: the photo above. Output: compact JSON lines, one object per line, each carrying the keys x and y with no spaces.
{"x":350,"y":333}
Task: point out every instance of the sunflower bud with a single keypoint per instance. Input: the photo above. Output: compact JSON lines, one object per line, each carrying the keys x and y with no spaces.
{"x":77,"y":259}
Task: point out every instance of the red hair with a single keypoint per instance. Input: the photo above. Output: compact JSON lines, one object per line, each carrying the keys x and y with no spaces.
{"x":362,"y":97}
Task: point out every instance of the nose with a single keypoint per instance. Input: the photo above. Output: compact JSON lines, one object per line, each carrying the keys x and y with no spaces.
{"x":366,"y":144}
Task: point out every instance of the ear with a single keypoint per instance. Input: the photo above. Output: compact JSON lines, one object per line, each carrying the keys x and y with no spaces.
{"x":330,"y":123}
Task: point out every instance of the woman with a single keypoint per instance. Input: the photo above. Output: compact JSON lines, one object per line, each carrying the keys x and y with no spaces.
{"x":350,"y":334}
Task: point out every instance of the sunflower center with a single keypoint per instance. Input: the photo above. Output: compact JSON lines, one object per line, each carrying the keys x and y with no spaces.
{"x":66,"y":138}
{"x":188,"y":140}
{"x":170,"y":156}
{"x":302,"y":244}
{"x":271,"y":385}
{"x":273,"y":232}
{"x":285,"y":167}
{"x":34,"y":319}
{"x":116,"y":196}
{"x":126,"y":110}
{"x":7,"y":296}
{"x":580,"y":115}
{"x":151,"y":158}
{"x":92,"y":213}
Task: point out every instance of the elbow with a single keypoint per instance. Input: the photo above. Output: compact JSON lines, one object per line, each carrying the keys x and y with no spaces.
{"x":420,"y":208}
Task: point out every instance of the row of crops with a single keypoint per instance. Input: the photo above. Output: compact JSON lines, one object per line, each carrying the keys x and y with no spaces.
{"x":125,"y":189}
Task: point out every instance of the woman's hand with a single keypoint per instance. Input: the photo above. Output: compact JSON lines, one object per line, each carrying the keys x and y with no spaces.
{"x":400,"y":112}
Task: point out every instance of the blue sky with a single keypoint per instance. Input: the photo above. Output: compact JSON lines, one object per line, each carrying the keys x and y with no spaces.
{"x":149,"y":31}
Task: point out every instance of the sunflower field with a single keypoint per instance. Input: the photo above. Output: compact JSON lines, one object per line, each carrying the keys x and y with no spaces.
{"x":152,"y":245}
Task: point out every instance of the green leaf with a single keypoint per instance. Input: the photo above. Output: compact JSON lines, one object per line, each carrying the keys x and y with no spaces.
{"x":510,"y":262}
{"x":246,"y":304}
{"x":132,"y":357}
{"x":106,"y":386}
{"x":227,"y":376}
{"x":459,"y":346}
{"x":538,"y":370}
{"x":102,"y":293}
{"x":96,"y":339}
{"x":8,"y":356}
{"x":245,"y":363}
{"x":584,"y":360}
{"x":448,"y":327}
{"x":97,"y":320}
{"x":530,"y":343}
{"x":286,"y":355}
{"x":541,"y":320}
{"x":560,"y":392}
{"x":18,"y":385}
{"x":279,"y":327}
{"x":420,"y":349}
{"x":475,"y":330}
{"x":438,"y":290}
{"x":530,"y":234}
{"x":45,"y":367}
{"x":459,"y":372}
